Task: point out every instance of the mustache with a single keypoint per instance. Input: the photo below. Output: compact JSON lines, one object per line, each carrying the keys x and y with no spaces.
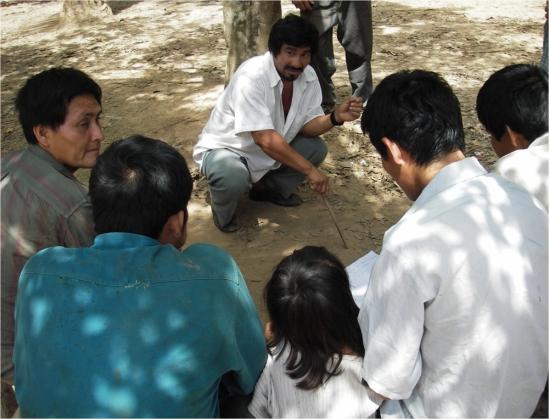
{"x":289,"y":67}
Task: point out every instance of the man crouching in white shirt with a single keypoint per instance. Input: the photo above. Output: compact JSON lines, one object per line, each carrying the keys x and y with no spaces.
{"x":454,"y":321}
{"x":512,"y":106}
{"x":264,"y":127}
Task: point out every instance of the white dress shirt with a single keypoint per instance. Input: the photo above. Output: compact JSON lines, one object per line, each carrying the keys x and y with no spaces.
{"x":454,"y":321}
{"x":529,"y":168}
{"x":253,"y":102}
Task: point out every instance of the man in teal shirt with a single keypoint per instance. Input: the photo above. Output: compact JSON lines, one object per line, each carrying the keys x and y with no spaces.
{"x":133,"y":326}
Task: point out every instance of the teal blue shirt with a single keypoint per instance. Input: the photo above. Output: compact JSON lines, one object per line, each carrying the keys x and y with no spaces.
{"x":130,"y":328}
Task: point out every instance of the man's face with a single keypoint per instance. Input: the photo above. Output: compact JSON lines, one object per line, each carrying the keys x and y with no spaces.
{"x":503,"y":146}
{"x":404,"y":177}
{"x":76,"y":142}
{"x":291,"y":61}
{"x":498,"y":147}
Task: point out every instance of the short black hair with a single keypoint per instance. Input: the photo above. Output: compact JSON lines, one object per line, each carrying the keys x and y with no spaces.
{"x":136,"y":185}
{"x":45,"y":97}
{"x":295,"y":31}
{"x":312,"y":312}
{"x":417,"y":110}
{"x":515,"y":96}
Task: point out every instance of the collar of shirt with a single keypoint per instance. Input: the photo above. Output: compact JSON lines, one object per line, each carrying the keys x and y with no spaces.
{"x":450,"y":175}
{"x":42,"y":154}
{"x":540,"y":141}
{"x":123,"y":240}
{"x":299,"y":86}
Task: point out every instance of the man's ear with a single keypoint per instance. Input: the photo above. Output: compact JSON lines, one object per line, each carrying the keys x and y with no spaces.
{"x":175,"y":230}
{"x":394,"y":152}
{"x":185,"y":217}
{"x":517,"y":141}
{"x":42,"y":134}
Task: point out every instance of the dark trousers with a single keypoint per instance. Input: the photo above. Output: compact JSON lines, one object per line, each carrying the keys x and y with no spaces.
{"x":354,"y":33}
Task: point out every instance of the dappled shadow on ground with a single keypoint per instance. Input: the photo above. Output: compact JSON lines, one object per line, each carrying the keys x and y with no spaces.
{"x":161,"y":67}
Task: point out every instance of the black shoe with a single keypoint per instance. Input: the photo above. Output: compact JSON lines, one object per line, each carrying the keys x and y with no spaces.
{"x":229,"y":228}
{"x":274,"y":197}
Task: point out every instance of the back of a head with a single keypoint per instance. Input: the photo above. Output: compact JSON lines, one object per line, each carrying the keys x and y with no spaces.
{"x":136,"y":185}
{"x":417,"y":110}
{"x":313,"y":312}
{"x":515,"y":96}
{"x":45,"y":97}
{"x":295,"y":31}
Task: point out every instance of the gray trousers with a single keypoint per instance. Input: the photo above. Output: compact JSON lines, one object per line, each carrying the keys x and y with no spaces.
{"x":228,"y":175}
{"x":354,"y":33}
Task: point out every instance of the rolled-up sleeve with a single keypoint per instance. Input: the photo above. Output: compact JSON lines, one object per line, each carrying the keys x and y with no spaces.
{"x":251,"y":110}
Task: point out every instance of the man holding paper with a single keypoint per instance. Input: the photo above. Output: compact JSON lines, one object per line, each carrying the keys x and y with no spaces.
{"x":454,"y":320}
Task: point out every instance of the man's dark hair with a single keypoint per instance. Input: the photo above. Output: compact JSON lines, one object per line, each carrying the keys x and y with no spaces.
{"x":295,"y":31}
{"x":45,"y":97}
{"x":312,"y":313}
{"x":136,"y":185}
{"x":515,"y":96}
{"x":418,"y":111}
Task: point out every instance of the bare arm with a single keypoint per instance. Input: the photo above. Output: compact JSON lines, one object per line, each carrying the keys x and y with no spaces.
{"x":349,"y":110}
{"x":274,"y":145}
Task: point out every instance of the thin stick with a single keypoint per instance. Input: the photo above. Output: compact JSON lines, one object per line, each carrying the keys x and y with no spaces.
{"x":335,"y":221}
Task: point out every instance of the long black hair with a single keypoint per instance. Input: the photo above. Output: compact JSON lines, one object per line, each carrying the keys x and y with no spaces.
{"x":313,"y":313}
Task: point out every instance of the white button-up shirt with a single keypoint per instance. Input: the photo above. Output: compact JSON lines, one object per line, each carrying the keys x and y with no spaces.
{"x":529,"y":168}
{"x":253,"y":102}
{"x":455,"y":318}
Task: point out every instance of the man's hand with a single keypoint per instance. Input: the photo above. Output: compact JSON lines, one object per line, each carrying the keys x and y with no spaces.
{"x":274,"y":146}
{"x":318,"y":181}
{"x":349,"y":110}
{"x":304,"y":6}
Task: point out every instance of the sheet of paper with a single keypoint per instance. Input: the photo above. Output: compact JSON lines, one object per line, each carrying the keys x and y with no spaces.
{"x":359,"y":275}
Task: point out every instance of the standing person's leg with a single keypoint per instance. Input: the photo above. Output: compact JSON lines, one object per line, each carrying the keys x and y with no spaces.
{"x":283,"y":181}
{"x":324,"y":18}
{"x":228,"y":178}
{"x":354,"y":32}
{"x":543,"y":62}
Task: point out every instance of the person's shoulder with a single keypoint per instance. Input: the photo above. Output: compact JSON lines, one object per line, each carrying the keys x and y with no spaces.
{"x":511,"y":161}
{"x":309,"y":74}
{"x":256,"y":73}
{"x":400,"y":233}
{"x":211,"y":260}
{"x":45,"y":260}
{"x":254,"y":67}
{"x":26,"y":175}
{"x":9,"y":160}
{"x":209,"y":250}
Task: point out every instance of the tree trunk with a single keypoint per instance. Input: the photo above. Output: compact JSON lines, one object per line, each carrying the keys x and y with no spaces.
{"x":247,"y":25}
{"x":77,"y":11}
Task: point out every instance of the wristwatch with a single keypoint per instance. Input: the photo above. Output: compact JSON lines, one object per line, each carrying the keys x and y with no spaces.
{"x":333,"y":119}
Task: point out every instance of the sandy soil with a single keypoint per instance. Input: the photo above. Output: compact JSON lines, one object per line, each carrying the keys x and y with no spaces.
{"x":161,"y":67}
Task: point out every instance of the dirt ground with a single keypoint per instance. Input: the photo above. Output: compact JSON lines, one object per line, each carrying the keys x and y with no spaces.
{"x":161,"y":67}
